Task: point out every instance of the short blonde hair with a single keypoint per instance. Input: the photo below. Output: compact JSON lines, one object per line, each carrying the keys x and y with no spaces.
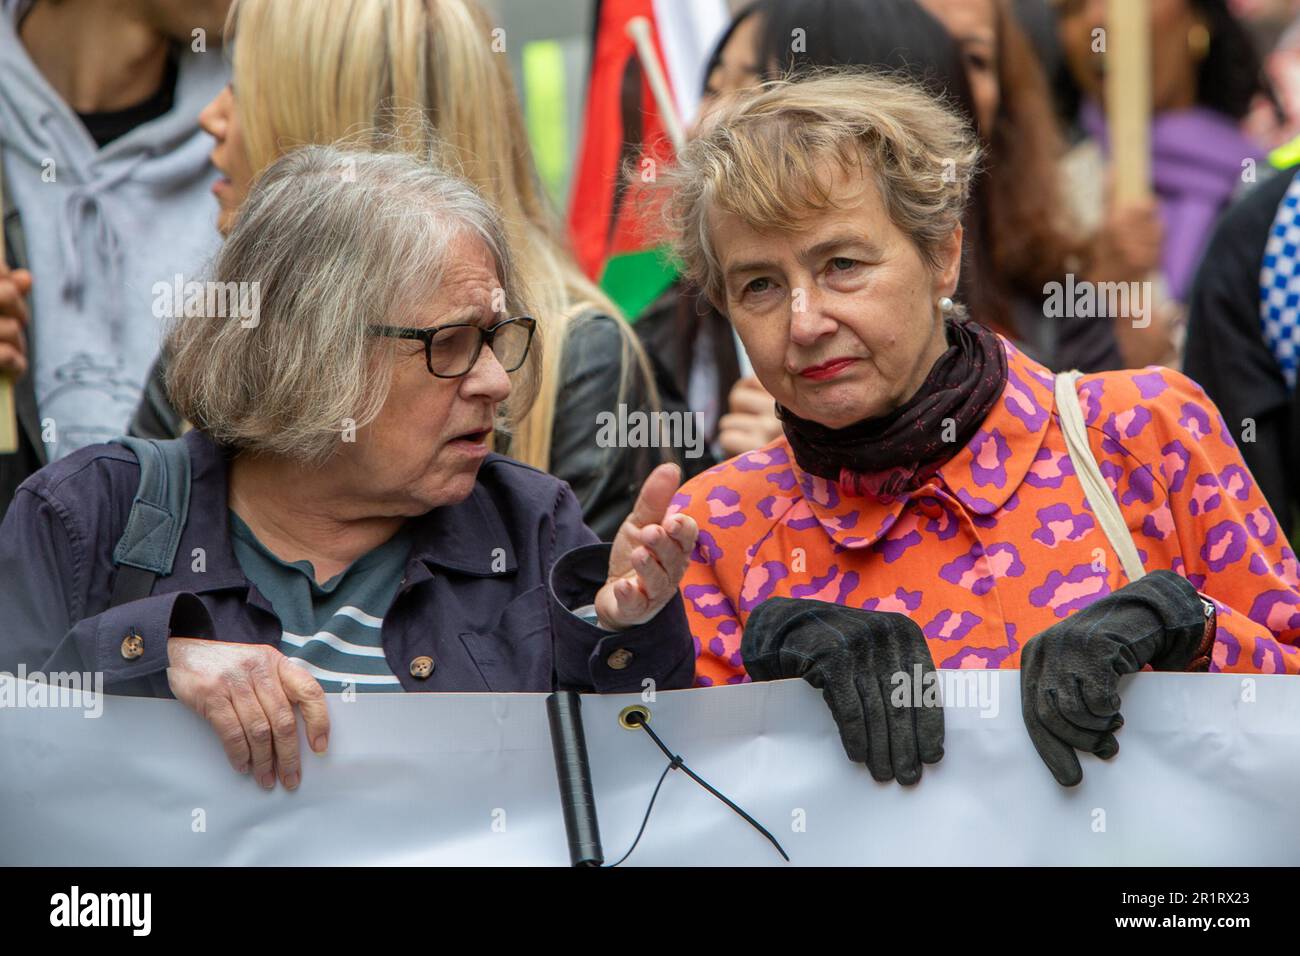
{"x":763,"y":155}
{"x":334,"y":241}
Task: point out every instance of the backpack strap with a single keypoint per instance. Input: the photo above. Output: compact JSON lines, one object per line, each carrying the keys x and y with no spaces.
{"x":1095,"y":488}
{"x":147,"y":548}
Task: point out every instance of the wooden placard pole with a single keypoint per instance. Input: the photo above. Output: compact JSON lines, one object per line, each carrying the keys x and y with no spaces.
{"x":8,"y":411}
{"x":1128,"y":96}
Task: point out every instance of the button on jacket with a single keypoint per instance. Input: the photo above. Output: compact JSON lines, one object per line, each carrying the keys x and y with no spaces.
{"x":485,"y":604}
{"x":1000,"y":544}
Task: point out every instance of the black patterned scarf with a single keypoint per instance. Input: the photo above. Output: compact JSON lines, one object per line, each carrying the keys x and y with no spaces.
{"x":890,"y":456}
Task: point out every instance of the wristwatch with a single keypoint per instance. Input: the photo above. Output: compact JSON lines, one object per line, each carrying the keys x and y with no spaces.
{"x":1201,"y":659}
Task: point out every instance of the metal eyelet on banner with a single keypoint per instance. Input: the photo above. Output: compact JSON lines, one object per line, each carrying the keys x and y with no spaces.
{"x":628,"y":711}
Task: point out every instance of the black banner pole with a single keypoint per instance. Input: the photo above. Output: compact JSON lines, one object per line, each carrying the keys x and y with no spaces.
{"x":564,"y":711}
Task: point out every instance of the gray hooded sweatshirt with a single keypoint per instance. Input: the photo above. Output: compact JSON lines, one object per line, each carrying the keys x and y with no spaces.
{"x":103,"y":228}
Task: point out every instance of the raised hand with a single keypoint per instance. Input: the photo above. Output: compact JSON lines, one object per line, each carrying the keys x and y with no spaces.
{"x":649,"y":556}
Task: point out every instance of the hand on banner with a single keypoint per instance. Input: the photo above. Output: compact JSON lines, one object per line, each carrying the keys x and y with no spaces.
{"x":649,"y":556}
{"x":247,"y":693}
{"x":14,"y":285}
{"x":867,"y":665}
{"x":1069,"y":674}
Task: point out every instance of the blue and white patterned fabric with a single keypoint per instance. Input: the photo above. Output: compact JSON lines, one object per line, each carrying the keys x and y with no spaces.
{"x":1279,"y":284}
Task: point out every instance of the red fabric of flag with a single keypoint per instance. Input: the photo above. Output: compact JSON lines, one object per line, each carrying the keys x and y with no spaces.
{"x":621,"y":126}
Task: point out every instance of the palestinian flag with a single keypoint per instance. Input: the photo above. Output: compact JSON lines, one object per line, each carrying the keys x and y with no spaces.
{"x":610,"y":225}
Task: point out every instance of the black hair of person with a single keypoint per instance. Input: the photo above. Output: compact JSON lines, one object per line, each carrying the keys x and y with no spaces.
{"x":1227,"y":80}
{"x":901,"y":38}
{"x":715,"y":58}
{"x":1232,"y":72}
{"x":895,"y":36}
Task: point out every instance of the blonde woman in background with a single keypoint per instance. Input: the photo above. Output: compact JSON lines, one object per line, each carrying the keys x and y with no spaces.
{"x":318,"y":71}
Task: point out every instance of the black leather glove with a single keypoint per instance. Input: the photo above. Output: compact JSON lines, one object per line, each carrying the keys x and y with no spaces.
{"x":1069,"y":674}
{"x":853,"y":656}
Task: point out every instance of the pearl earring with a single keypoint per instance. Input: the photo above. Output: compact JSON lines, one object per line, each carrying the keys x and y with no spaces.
{"x":945,"y":305}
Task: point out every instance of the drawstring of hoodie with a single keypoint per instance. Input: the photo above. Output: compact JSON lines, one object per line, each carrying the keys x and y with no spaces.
{"x":85,"y":220}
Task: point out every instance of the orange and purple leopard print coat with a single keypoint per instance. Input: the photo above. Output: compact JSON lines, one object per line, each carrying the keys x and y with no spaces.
{"x":1001,"y":543}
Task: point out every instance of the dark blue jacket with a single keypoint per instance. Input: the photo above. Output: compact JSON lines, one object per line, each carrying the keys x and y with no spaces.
{"x":486,"y":593}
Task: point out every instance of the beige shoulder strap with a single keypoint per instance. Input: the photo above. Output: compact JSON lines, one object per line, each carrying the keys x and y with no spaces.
{"x":1095,"y":487}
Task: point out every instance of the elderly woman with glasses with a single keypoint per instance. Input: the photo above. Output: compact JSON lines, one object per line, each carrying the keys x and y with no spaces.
{"x":974,"y":510}
{"x":348,"y":528}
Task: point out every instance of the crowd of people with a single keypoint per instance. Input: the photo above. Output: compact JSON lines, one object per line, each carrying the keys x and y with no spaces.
{"x":914,"y":454}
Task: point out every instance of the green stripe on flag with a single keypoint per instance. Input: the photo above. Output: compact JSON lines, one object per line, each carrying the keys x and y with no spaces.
{"x":545,"y":111}
{"x":635,"y":279}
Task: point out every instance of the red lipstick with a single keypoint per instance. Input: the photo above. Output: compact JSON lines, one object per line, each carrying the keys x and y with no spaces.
{"x":828,"y":369}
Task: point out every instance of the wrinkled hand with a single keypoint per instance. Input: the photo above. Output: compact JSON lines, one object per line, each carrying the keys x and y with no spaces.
{"x":1069,"y":674}
{"x":14,"y":285}
{"x":247,"y":692}
{"x":751,"y":422}
{"x":855,"y":657}
{"x":649,"y":556}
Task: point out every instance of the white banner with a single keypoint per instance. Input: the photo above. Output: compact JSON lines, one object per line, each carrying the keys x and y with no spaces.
{"x":1208,"y":773}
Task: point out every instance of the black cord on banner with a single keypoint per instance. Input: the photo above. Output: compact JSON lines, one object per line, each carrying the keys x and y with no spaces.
{"x":675,"y":762}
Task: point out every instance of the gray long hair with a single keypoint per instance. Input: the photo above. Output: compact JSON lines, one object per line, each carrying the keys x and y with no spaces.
{"x":331,"y":240}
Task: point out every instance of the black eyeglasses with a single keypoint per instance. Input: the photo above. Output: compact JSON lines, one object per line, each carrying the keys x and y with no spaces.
{"x":450,"y":351}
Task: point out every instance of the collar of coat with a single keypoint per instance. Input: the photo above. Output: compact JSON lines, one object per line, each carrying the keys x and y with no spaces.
{"x":449,"y":537}
{"x":983,"y":476}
